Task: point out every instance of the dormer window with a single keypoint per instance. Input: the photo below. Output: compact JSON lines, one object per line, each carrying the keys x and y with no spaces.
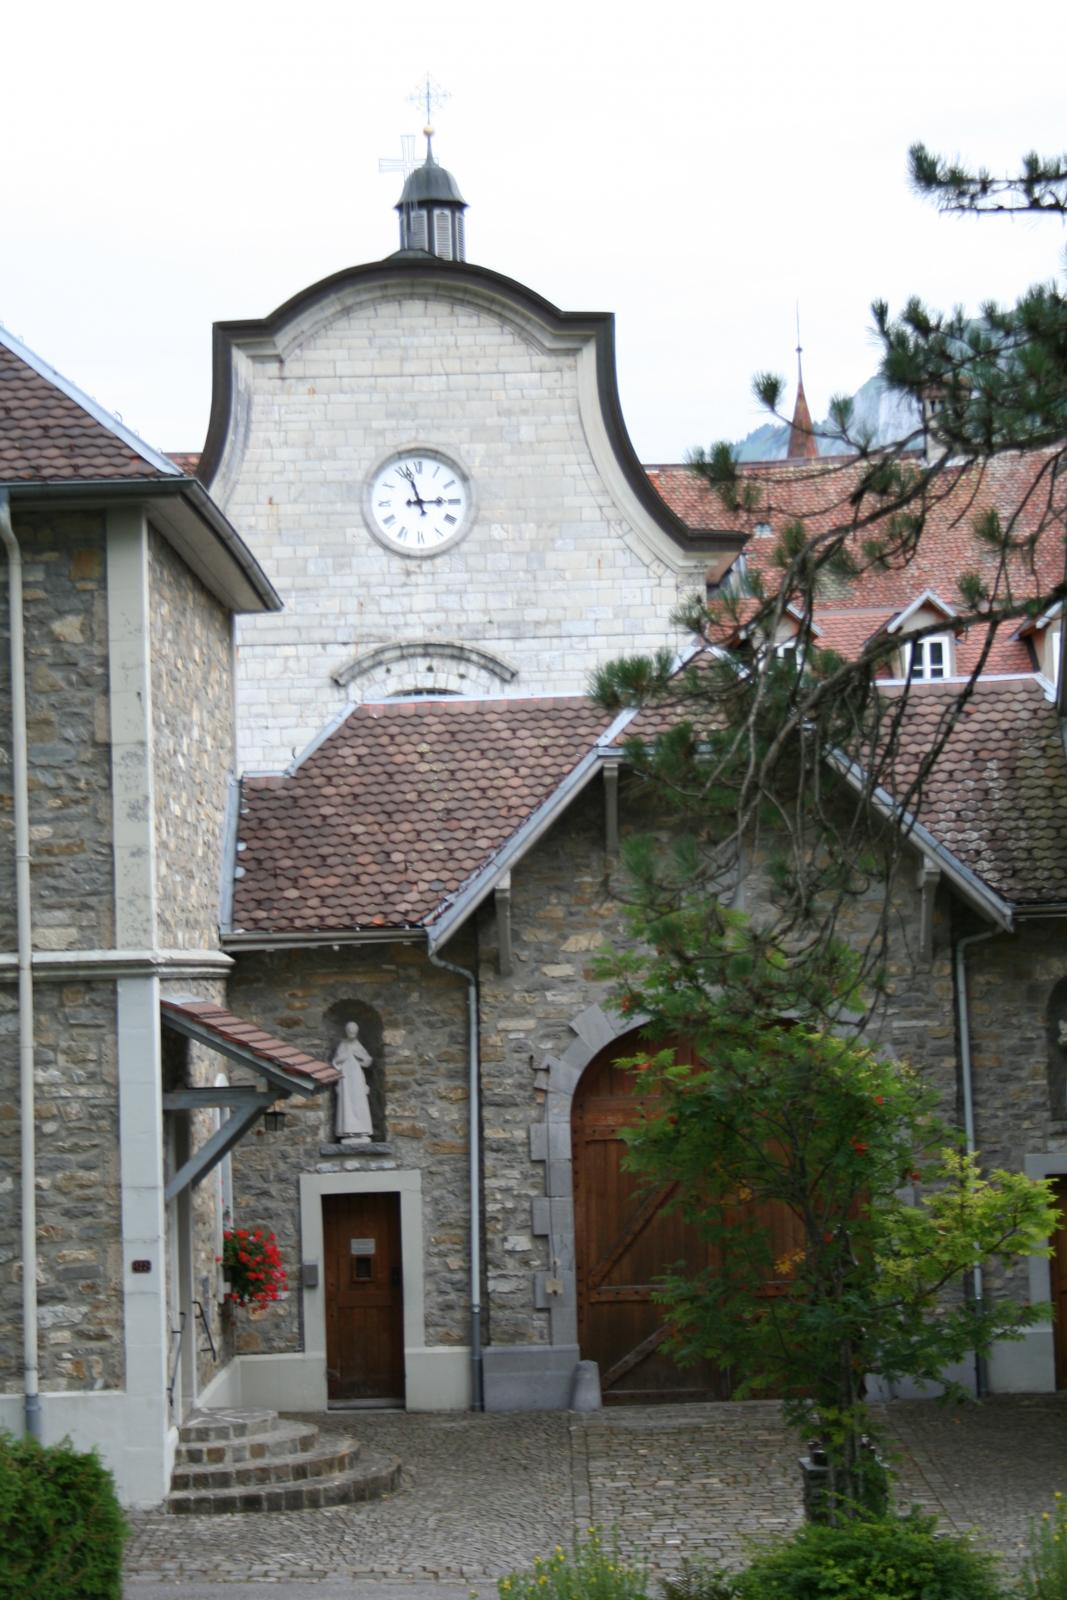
{"x":930,"y":659}
{"x":762,"y":530}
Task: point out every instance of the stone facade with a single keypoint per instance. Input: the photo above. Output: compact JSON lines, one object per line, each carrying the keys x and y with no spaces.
{"x":79,"y":1237}
{"x":306,"y":997}
{"x":552,"y":577}
{"x":193,"y":747}
{"x":79,"y":1266}
{"x":65,"y":593}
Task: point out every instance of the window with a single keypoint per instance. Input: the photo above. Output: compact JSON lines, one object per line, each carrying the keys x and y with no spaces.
{"x":927,"y":660}
{"x":762,"y":530}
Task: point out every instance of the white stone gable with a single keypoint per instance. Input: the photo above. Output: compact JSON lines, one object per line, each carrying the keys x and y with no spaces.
{"x":562,"y":566}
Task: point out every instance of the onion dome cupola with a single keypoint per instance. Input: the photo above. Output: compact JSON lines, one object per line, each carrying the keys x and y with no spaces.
{"x":431,"y":210}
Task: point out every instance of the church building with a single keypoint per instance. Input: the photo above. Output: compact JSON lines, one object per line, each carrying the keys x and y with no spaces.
{"x":323,"y":837}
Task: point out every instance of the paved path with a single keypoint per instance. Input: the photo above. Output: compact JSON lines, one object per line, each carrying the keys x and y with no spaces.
{"x":482,"y":1495}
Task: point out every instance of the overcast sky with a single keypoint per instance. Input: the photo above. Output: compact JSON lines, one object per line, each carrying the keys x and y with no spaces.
{"x":694,"y":168}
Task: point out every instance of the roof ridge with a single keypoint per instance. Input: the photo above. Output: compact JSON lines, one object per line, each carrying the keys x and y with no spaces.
{"x":99,"y":414}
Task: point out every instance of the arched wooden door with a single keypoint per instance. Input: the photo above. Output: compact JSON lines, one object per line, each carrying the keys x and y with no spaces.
{"x":624,"y":1240}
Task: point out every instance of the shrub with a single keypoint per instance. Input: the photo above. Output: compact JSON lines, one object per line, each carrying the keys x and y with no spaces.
{"x":697,"y":1580}
{"x":890,"y":1558}
{"x":590,"y":1572}
{"x":1044,"y":1574}
{"x":61,"y":1529}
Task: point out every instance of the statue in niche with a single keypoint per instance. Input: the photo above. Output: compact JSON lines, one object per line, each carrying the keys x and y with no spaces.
{"x":353,"y":1062}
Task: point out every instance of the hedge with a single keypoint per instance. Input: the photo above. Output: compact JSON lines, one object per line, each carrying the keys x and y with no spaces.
{"x":61,"y":1529}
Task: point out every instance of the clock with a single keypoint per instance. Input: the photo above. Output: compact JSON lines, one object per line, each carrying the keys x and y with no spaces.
{"x":418,"y":502}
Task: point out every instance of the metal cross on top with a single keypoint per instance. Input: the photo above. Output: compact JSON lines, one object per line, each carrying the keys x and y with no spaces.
{"x":431,"y":95}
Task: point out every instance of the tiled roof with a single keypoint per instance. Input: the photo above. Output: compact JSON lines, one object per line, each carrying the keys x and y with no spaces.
{"x":997,"y":797}
{"x":235,"y":1037}
{"x":819,"y":493}
{"x":187,"y":460}
{"x":51,"y":433}
{"x":384,"y":823}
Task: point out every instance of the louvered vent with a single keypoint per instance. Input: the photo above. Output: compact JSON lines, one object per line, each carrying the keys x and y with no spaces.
{"x":442,"y":235}
{"x":417,"y":230}
{"x":461,"y":238}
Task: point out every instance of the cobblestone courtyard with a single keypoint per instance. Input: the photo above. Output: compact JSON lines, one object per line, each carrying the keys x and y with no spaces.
{"x":482,"y":1495}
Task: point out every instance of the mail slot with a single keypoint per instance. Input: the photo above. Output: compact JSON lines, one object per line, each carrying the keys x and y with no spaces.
{"x":361,"y":1247}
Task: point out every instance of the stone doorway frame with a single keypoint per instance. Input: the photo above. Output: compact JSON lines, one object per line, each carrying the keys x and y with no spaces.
{"x":550,"y":1142}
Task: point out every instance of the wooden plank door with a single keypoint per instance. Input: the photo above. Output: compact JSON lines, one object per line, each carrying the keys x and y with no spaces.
{"x":364,"y":1297}
{"x":1058,"y":1272}
{"x":626,"y":1237}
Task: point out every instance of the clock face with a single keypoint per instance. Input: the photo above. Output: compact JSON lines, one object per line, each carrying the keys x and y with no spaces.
{"x":418,"y":503}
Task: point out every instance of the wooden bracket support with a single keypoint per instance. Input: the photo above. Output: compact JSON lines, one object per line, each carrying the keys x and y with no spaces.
{"x":611,"y":809}
{"x":502,"y":902}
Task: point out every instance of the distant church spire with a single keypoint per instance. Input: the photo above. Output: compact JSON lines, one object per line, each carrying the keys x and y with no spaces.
{"x":431,"y":207}
{"x":803,"y":445}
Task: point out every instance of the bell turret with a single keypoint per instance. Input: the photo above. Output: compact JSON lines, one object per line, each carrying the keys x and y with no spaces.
{"x":431,"y":210}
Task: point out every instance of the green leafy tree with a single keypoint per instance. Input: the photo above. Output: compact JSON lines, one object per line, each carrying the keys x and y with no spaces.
{"x":884,"y":1213}
{"x":772,"y":771}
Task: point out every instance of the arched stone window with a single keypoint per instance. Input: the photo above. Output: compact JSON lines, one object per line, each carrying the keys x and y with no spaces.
{"x":425,"y":667}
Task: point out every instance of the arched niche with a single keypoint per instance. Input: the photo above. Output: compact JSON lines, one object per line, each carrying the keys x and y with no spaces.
{"x":372,"y":1037}
{"x":1056,"y":1034}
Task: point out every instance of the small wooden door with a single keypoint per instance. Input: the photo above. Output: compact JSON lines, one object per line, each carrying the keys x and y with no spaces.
{"x":1058,"y":1266}
{"x":364,"y":1297}
{"x":625,"y":1239}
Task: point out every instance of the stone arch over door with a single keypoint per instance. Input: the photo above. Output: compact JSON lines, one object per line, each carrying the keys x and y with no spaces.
{"x":555,"y":1290}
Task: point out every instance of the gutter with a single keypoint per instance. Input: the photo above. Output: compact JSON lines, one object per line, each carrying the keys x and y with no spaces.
{"x":474,"y":1151}
{"x":963,"y":1023}
{"x":24,"y":921}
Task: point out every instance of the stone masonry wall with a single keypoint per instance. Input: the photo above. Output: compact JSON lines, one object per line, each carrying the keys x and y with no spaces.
{"x":549,"y":577}
{"x":563,"y":910}
{"x":1010,"y":982}
{"x":192,"y":711}
{"x":65,"y":592}
{"x":64,"y":576}
{"x":303,"y":996}
{"x":78,"y":1213}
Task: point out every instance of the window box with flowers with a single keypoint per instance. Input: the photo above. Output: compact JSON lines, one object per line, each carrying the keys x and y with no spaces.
{"x":251,"y":1267}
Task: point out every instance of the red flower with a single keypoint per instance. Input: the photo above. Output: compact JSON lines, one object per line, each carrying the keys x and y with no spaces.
{"x":858,"y":1145}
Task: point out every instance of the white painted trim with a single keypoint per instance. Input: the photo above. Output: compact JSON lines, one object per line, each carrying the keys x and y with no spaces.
{"x":66,"y":964}
{"x":927,"y":598}
{"x":647,"y":538}
{"x":314,"y":1186}
{"x":113,"y":1422}
{"x":99,"y":413}
{"x":145,"y":1320}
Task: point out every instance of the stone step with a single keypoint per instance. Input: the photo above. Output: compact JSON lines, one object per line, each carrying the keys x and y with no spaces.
{"x":328,"y":1461}
{"x":286,"y":1439}
{"x":202,"y":1426}
{"x":372,"y":1475}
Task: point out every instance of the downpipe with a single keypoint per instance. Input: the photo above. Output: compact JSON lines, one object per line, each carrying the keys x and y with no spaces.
{"x":963,"y":1023}
{"x":474,"y":1143}
{"x":24,"y":924}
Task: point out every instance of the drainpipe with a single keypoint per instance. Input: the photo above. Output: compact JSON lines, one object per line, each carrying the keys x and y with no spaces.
{"x":473,"y":1139}
{"x":27,"y":1109}
{"x":963,"y":1019}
